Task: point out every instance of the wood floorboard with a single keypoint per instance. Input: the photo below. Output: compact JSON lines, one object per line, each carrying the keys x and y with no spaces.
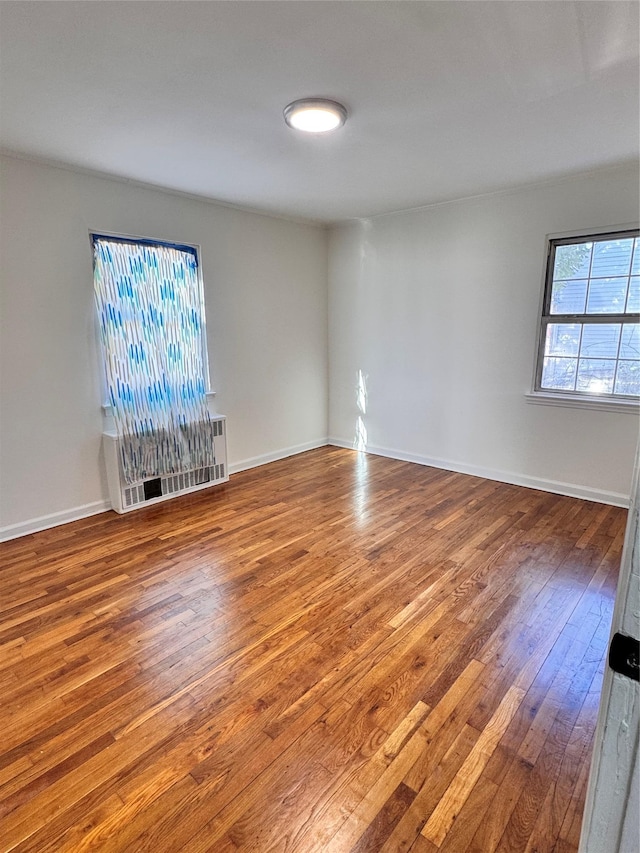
{"x":335,"y":652}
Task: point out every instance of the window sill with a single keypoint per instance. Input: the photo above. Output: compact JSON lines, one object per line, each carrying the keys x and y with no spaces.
{"x":570,"y":401}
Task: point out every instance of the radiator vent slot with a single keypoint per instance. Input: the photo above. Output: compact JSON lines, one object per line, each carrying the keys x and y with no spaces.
{"x":179,"y":482}
{"x":134,"y":495}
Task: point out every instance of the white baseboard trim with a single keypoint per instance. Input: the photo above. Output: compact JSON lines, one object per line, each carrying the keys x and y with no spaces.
{"x":265,"y":458}
{"x":44,"y":522}
{"x":54,"y":519}
{"x":558,"y":488}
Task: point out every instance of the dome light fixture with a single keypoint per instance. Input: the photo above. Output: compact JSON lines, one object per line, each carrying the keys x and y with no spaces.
{"x":315,"y":115}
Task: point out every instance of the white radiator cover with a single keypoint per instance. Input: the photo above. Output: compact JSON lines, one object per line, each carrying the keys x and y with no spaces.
{"x":127,"y":497}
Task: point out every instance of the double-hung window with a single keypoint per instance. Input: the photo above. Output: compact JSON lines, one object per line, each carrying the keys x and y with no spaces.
{"x":590,"y":331}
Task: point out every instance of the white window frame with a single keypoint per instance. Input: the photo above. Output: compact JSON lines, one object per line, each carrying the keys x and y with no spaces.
{"x":574,"y":399}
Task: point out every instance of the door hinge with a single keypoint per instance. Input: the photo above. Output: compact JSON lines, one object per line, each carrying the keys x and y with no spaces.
{"x":624,"y":656}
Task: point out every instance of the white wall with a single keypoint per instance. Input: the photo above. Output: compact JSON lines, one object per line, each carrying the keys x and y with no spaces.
{"x":266,"y":303}
{"x":438,"y":308}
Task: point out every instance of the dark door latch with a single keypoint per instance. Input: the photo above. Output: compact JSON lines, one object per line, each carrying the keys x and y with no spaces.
{"x":624,"y":656}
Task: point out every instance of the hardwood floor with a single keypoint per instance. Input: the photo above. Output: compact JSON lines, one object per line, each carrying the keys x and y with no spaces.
{"x":335,"y":652}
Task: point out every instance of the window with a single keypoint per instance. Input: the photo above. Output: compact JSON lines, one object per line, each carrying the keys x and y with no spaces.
{"x":590,"y":332}
{"x":151,"y":315}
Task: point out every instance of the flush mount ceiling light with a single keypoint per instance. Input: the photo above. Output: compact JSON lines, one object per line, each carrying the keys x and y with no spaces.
{"x":315,"y":115}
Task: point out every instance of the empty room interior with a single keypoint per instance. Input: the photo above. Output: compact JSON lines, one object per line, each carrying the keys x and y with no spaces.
{"x":319,"y":413}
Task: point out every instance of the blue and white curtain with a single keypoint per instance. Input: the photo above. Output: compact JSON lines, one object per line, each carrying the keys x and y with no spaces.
{"x":151,"y":319}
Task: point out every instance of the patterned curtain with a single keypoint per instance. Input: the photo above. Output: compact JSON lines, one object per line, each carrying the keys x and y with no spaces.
{"x":151,"y":317}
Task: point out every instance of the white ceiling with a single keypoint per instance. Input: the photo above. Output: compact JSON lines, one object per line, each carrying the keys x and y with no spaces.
{"x":446,"y":99}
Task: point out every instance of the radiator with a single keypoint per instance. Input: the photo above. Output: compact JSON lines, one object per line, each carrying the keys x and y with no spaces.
{"x":126,"y":497}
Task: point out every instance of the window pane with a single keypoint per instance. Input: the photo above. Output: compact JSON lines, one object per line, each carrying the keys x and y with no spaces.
{"x":612,"y":257}
{"x":635,"y":267}
{"x":607,"y":296}
{"x":562,"y":339}
{"x":572,"y":261}
{"x":628,"y":378}
{"x":569,"y":297}
{"x":633,"y":300}
{"x":630,"y":344}
{"x":596,"y":375}
{"x":559,"y":373}
{"x":600,"y":340}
